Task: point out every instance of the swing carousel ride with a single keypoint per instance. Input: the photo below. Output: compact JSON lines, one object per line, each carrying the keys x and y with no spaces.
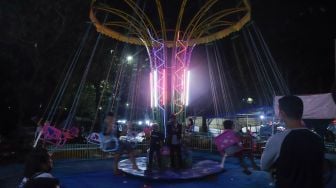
{"x":169,"y":31}
{"x":169,"y":48}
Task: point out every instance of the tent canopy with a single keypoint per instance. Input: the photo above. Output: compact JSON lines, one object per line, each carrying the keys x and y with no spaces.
{"x":318,"y":106}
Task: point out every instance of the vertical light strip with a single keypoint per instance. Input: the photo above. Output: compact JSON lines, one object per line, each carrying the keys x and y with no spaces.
{"x":164,"y":88}
{"x":183,"y":88}
{"x":188,"y":84}
{"x":155,"y":89}
{"x":151,"y":89}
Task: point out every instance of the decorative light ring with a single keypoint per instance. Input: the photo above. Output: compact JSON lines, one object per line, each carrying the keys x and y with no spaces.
{"x":142,"y":39}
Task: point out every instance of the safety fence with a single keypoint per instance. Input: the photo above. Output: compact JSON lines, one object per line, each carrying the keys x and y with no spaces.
{"x":92,"y":151}
{"x":193,"y":141}
{"x":77,"y":151}
{"x":199,"y":142}
{"x":86,"y":151}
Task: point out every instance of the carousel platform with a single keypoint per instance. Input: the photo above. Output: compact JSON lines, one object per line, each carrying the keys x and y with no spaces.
{"x":200,"y":169}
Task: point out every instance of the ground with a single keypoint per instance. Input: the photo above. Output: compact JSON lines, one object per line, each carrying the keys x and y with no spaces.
{"x":98,"y":174}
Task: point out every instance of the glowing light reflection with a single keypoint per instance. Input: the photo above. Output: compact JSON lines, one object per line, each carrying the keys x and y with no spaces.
{"x":187,"y":88}
{"x":155,"y":89}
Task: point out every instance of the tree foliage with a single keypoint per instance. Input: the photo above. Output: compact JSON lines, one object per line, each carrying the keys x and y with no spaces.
{"x":37,"y":38}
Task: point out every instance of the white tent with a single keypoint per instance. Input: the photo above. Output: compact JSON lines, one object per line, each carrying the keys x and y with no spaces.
{"x":319,"y":106}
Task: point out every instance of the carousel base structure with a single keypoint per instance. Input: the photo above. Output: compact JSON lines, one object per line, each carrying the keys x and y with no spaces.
{"x":199,"y":170}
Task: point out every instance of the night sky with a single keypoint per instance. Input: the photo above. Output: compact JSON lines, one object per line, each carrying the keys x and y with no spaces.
{"x":38,"y":37}
{"x":301,"y":37}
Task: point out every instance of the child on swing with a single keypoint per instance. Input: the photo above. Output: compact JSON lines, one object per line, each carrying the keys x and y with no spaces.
{"x":229,"y":144}
{"x":111,"y":131}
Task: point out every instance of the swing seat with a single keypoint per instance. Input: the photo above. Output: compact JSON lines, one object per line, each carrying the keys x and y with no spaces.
{"x":93,"y":138}
{"x":225,"y":140}
{"x":53,"y":135}
{"x":106,"y":143}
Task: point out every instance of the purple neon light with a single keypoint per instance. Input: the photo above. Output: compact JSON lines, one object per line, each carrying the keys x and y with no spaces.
{"x":181,"y":74}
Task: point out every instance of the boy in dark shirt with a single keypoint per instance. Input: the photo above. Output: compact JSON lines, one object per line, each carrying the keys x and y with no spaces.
{"x":174,"y":138}
{"x":297,"y":154}
{"x":156,"y":140}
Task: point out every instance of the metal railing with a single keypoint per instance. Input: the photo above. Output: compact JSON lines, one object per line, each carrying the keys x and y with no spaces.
{"x":92,"y":151}
{"x":77,"y":151}
{"x":201,"y":142}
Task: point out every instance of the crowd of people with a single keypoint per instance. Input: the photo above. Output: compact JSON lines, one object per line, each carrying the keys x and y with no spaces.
{"x":294,"y":157}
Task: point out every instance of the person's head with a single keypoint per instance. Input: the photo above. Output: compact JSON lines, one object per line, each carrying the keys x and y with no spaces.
{"x":38,"y":160}
{"x":290,"y":108}
{"x":228,"y":124}
{"x":191,"y":121}
{"x":110,"y":119}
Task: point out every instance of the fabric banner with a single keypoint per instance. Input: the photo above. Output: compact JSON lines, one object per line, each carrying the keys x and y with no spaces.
{"x":319,"y":106}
